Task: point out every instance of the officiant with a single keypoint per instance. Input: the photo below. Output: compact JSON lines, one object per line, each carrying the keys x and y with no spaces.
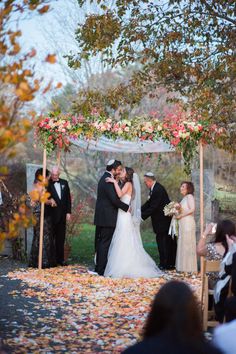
{"x":153,"y":208}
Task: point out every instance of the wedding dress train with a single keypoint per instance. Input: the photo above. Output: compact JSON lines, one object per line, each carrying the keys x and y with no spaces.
{"x":127,"y":257}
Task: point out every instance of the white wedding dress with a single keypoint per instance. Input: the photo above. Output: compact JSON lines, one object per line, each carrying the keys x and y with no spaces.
{"x":127,"y":257}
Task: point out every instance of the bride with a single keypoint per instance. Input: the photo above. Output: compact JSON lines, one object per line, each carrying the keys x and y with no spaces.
{"x":127,"y":257}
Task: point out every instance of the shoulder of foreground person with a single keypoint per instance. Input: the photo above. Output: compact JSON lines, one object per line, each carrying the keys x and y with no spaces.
{"x":226,"y":329}
{"x":159,"y":346}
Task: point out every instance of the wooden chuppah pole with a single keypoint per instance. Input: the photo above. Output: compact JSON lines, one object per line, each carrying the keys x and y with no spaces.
{"x":42,"y":214}
{"x":201,"y":171}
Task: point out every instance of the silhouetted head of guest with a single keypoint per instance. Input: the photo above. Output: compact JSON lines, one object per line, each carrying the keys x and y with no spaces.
{"x":230,"y":309}
{"x":39,"y":175}
{"x":223,"y":228}
{"x":174,"y":311}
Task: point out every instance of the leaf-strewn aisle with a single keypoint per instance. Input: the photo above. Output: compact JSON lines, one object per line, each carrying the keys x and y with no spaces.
{"x":83,"y":313}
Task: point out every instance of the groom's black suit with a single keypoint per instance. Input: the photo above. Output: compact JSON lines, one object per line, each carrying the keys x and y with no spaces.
{"x":106,"y":210}
{"x":160,"y":223}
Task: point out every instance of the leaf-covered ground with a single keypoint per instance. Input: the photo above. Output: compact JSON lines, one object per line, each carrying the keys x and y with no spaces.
{"x":68,"y":310}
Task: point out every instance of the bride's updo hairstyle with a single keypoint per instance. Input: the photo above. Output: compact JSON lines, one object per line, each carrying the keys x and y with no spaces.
{"x":129,"y":174}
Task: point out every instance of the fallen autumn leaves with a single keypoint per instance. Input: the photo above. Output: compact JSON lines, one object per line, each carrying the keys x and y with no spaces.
{"x":83,"y":313}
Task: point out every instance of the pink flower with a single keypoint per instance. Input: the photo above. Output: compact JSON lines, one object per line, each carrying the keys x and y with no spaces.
{"x":200,"y":127}
{"x":175,"y":134}
{"x":103,"y":128}
{"x":94,"y":112}
{"x":80,"y":118}
{"x":175,"y":141}
{"x":74,"y":120}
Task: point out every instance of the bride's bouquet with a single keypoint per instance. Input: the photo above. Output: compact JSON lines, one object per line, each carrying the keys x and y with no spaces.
{"x":173,"y":209}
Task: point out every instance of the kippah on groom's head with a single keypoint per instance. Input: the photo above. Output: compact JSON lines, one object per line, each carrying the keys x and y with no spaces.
{"x":113,"y":164}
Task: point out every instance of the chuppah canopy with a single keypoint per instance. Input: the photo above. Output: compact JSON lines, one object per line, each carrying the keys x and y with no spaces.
{"x":123,"y":146}
{"x":184,"y":132}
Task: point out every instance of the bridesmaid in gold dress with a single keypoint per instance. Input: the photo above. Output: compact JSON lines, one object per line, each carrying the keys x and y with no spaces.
{"x":186,"y":259}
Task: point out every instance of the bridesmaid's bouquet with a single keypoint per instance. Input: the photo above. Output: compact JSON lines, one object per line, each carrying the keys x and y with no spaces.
{"x":173,"y":209}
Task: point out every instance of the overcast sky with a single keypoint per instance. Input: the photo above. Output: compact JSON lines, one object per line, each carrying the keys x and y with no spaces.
{"x":53,"y":33}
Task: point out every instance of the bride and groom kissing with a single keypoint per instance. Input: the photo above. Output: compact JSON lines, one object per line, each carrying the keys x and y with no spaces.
{"x":118,"y":214}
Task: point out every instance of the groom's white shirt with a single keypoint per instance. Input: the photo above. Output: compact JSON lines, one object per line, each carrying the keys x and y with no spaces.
{"x":151,"y":189}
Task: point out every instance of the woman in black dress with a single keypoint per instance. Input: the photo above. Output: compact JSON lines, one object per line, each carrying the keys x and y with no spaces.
{"x":49,"y":257}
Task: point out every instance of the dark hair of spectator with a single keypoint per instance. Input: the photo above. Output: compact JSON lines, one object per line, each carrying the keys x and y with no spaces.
{"x":129,"y":174}
{"x":190,"y":187}
{"x":39,"y":174}
{"x":175,"y":311}
{"x":114,"y":165}
{"x":230,"y":309}
{"x":224,"y":227}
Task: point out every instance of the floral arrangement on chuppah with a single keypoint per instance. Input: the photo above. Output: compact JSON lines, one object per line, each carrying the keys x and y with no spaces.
{"x":182,"y":130}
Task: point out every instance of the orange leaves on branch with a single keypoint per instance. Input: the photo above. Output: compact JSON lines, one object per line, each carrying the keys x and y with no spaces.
{"x":22,"y":218}
{"x":34,"y":195}
{"x":24,"y":91}
{"x":3,"y":47}
{"x":18,"y":86}
{"x":59,"y":85}
{"x":3,"y":170}
{"x":32,"y":53}
{"x":48,"y":87}
{"x":43,"y":9}
{"x":51,"y":58}
{"x":36,"y":85}
{"x":44,"y":197}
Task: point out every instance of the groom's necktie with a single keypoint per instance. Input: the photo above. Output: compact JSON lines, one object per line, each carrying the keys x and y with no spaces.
{"x":150,"y":193}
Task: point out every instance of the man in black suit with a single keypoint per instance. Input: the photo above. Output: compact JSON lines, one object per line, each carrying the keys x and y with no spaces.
{"x":105,"y":217}
{"x":153,"y":207}
{"x":60,"y":192}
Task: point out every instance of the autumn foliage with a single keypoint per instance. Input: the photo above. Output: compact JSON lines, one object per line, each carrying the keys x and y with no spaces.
{"x":18,"y":86}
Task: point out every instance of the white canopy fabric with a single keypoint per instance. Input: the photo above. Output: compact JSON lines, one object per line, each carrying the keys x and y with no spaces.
{"x":105,"y":144}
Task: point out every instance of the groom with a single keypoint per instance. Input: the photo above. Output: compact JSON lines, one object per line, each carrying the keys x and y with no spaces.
{"x":106,"y":210}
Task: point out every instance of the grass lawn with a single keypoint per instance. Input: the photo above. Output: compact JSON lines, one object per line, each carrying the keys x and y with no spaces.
{"x":83,"y":245}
